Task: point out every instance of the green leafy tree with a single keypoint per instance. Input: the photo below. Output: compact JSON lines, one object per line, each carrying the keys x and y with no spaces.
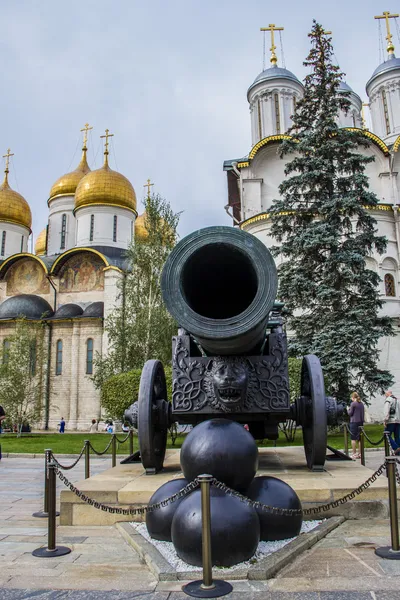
{"x":140,"y":327}
{"x":326,"y":234}
{"x":22,"y":374}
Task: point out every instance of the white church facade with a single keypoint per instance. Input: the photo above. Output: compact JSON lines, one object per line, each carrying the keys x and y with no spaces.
{"x":71,"y":282}
{"x":253,"y":180}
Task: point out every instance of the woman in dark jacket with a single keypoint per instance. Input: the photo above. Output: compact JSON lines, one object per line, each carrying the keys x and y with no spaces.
{"x":356,"y":413}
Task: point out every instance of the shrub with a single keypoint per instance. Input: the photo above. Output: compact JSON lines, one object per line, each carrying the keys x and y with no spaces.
{"x":294,"y":377}
{"x":119,"y":391}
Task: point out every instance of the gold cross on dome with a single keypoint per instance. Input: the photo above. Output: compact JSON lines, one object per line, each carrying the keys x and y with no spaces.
{"x":108,"y":135}
{"x":386,"y":15}
{"x":272,"y":28}
{"x":7,"y":157}
{"x":148,"y":185}
{"x":86,"y":129}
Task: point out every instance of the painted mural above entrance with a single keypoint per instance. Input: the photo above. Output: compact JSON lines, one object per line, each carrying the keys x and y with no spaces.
{"x":82,"y":273}
{"x":26,"y":277}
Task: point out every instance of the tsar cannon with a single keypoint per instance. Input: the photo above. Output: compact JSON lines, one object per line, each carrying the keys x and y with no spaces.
{"x":229,"y":358}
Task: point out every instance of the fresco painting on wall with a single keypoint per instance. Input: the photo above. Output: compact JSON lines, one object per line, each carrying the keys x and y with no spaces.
{"x":82,"y":273}
{"x":26,"y":277}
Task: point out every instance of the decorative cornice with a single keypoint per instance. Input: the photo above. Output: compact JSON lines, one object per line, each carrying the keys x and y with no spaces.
{"x":266,"y":216}
{"x":396,"y":145}
{"x":374,"y":138}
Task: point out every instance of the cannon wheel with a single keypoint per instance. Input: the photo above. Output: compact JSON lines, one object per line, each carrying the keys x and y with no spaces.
{"x":314,"y":419}
{"x":153,"y":416}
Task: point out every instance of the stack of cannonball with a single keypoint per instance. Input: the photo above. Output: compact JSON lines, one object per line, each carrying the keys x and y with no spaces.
{"x":228,"y":452}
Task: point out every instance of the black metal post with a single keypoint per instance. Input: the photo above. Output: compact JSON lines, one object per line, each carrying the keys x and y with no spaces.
{"x":87,"y":459}
{"x":45,"y":512}
{"x":392,"y":552}
{"x":362,"y":446}
{"x":131,"y":442}
{"x":387,"y":448}
{"x":208,"y":587}
{"x":346,"y":439}
{"x":52,"y":549}
{"x":114,"y":450}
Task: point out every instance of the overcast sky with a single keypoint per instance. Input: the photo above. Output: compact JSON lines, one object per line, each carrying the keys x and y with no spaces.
{"x":167,"y":77}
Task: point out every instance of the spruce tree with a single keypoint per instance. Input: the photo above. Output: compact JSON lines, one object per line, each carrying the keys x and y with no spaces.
{"x":140,"y":327}
{"x":326,"y":233}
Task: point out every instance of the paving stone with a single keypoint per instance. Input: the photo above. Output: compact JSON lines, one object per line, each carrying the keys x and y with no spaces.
{"x":345,"y":596}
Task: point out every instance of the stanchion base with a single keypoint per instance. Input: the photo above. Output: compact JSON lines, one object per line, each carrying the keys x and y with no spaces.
{"x":46,"y":553}
{"x":196,"y":589}
{"x":387,"y":552}
{"x":43,"y":515}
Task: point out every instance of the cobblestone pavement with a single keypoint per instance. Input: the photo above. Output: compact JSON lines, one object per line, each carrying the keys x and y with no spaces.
{"x":103,"y":566}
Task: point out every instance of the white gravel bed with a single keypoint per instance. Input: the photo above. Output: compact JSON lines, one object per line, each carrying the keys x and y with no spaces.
{"x":264,"y":548}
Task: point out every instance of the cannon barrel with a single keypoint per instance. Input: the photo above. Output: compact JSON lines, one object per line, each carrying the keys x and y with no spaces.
{"x":219,"y":284}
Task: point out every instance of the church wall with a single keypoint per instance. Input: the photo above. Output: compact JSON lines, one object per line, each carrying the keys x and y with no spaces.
{"x":390,"y":85}
{"x":60,"y":385}
{"x":57,"y":208}
{"x":16,"y":239}
{"x":72,"y":393}
{"x":103,"y":231}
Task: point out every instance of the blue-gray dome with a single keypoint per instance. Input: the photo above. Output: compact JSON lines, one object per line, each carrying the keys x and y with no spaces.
{"x":95,"y":309}
{"x":344,"y":87}
{"x":391,"y":64}
{"x":27,"y":305}
{"x":274,"y":73}
{"x":68,"y":311}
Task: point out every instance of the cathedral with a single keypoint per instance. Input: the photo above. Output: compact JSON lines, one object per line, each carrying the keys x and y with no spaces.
{"x":71,"y":282}
{"x":253,"y":180}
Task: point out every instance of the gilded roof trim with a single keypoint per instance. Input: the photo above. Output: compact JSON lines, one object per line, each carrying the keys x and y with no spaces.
{"x":374,"y":138}
{"x":106,"y":204}
{"x":74,"y":251}
{"x":14,"y":257}
{"x":268,"y":140}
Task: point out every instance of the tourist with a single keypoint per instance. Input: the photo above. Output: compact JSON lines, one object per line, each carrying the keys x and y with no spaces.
{"x":62,"y":425}
{"x":356,"y":413}
{"x":391,"y":420}
{"x":94,"y":426}
{"x":2,"y":416}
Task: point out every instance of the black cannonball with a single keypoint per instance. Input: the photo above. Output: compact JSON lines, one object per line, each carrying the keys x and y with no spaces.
{"x":221,"y":448}
{"x":159,"y":521}
{"x":275,"y":492}
{"x":235,"y":529}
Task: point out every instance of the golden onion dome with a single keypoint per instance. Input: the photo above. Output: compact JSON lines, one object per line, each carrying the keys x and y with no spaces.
{"x":107,"y":187}
{"x":141,"y":232}
{"x":68,"y":183}
{"x":41,"y":243}
{"x":13,"y":207}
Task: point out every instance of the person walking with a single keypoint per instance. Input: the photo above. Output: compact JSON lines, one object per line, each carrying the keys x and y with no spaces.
{"x":94,"y":426}
{"x":62,"y":425}
{"x":356,"y":413}
{"x":391,"y":420}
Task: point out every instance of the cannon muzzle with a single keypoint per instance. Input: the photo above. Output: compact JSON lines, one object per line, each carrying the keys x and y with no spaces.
{"x":219,"y":284}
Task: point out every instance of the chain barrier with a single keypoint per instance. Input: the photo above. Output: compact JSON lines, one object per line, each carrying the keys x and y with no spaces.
{"x":105,"y":449}
{"x":218,"y":484}
{"x":369,"y":439}
{"x":123,"y":440}
{"x":68,"y":467}
{"x":126,"y":511}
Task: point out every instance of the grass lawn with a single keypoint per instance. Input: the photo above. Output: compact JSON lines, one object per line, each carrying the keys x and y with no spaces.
{"x":72,"y":443}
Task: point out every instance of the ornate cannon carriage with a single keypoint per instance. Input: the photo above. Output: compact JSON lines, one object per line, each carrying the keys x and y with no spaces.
{"x":229,"y":358}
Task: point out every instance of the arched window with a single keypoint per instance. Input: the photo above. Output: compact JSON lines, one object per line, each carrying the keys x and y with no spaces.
{"x":89,"y":356}
{"x":115,"y":228}
{"x":32,"y":359}
{"x":385,"y":111}
{"x":390,"y":289}
{"x":3,"y":243}
{"x":63,"y":231}
{"x":91,"y":227}
{"x":6,"y":351}
{"x":277,"y":114}
{"x":22,"y":243}
{"x":260,"y":135}
{"x":59,"y":357}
